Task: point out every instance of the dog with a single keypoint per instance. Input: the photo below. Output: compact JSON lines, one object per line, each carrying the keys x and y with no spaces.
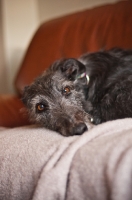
{"x":73,"y":94}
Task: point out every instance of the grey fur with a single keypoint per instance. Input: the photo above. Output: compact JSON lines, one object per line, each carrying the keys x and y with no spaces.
{"x":63,"y":113}
{"x":71,"y":91}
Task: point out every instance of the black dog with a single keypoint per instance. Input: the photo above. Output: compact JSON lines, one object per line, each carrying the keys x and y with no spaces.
{"x":96,"y":87}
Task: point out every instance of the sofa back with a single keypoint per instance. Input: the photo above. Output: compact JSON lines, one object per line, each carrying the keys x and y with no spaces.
{"x":90,"y":30}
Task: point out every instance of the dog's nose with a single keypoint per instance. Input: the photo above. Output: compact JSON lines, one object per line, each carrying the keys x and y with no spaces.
{"x":79,"y":129}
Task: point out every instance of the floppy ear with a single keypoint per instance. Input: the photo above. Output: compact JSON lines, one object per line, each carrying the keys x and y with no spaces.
{"x":72,"y":68}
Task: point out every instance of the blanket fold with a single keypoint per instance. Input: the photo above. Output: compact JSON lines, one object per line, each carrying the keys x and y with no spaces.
{"x":39,"y":164}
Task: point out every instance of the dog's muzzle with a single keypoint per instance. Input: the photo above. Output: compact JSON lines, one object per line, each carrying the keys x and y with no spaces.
{"x":79,"y":129}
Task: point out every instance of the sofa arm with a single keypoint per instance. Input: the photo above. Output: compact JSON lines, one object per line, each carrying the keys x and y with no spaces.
{"x":10,"y":111}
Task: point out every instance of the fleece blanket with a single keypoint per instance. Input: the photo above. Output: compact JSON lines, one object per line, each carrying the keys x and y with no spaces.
{"x":38,"y":164}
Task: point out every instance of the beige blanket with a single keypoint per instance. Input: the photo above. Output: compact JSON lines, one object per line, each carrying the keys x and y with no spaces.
{"x":39,"y":164}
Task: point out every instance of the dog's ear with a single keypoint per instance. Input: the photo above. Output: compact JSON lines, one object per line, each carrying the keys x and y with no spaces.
{"x":72,"y":68}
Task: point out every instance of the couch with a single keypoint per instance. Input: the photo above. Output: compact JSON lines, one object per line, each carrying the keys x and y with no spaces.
{"x":36,"y":163}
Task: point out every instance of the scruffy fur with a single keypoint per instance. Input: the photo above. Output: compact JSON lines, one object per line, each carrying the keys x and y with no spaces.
{"x":70,"y":102}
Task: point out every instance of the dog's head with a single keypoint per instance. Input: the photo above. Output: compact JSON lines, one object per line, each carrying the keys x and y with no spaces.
{"x":55,"y":99}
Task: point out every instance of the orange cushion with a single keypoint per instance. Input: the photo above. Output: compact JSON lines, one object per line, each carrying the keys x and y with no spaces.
{"x":11,"y":114}
{"x":70,"y":36}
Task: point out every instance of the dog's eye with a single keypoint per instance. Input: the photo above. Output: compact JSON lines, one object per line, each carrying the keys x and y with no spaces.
{"x":40,"y":107}
{"x":67,"y":90}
